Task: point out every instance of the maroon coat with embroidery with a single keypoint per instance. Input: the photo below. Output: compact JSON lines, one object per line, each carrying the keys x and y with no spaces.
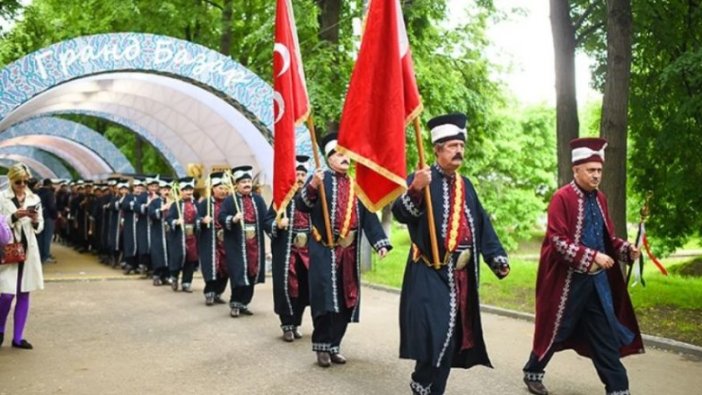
{"x":562,"y":254}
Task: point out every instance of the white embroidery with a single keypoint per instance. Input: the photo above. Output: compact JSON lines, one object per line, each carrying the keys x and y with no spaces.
{"x":410,"y":206}
{"x":420,"y":389}
{"x":561,"y":308}
{"x":332,"y":221}
{"x":288,"y":245}
{"x":531,"y":376}
{"x":452,"y":312}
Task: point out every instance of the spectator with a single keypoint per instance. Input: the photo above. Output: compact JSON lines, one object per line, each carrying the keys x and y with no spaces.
{"x":21,"y":206}
{"x":48,"y":205}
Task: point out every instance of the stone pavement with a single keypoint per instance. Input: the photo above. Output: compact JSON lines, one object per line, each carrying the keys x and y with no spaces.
{"x":95,"y":335}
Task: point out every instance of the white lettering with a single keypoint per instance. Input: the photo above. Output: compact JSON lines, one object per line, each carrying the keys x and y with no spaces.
{"x":182,"y":58}
{"x":163,"y":52}
{"x":66,"y":59}
{"x":133,"y":50}
{"x":40,"y":62}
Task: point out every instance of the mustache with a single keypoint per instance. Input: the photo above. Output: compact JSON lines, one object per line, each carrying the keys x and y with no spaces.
{"x":344,"y":162}
{"x":457,"y":157}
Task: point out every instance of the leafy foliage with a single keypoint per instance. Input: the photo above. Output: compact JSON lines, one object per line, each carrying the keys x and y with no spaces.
{"x":510,"y":152}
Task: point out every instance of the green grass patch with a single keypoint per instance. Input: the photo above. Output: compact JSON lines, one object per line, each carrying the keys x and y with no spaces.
{"x":668,"y":306}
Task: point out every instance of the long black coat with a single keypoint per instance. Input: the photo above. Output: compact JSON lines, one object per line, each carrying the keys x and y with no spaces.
{"x":129,"y":211}
{"x":234,"y":242}
{"x":426,"y":301}
{"x":206,"y":240}
{"x":325,"y":293}
{"x":158,"y":234}
{"x":116,"y":229}
{"x":281,"y":245}
{"x":176,"y":243}
{"x":142,"y":226}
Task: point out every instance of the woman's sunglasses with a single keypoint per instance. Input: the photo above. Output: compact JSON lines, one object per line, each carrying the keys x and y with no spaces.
{"x":21,"y":182}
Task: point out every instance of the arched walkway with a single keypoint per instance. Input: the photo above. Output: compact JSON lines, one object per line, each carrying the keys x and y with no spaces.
{"x":194,"y":103}
{"x":65,"y":132}
{"x":44,"y":163}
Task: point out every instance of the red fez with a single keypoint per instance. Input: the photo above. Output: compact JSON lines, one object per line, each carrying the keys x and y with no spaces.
{"x":588,"y":149}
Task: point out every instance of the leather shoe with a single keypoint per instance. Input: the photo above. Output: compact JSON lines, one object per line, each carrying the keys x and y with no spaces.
{"x":234,"y":312}
{"x":174,"y":284}
{"x":338,"y":359}
{"x":25,"y":345}
{"x":536,"y":387}
{"x":297,"y":334}
{"x":323,"y":359}
{"x":288,"y":336}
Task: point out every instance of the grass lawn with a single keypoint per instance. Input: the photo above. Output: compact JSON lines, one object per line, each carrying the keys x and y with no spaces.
{"x":668,"y":306}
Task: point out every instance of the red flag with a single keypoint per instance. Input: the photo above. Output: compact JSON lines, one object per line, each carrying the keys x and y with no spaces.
{"x":382,"y":99}
{"x":291,"y":104}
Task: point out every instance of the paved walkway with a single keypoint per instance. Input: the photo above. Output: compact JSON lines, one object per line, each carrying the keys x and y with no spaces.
{"x":101,"y":336}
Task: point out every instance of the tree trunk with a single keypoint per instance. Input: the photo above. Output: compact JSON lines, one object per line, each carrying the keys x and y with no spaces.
{"x":615,"y":102}
{"x":566,"y":101}
{"x":225,"y":42}
{"x":386,"y":220}
{"x":330,"y":13}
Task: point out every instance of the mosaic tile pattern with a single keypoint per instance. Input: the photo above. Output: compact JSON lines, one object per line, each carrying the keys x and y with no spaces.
{"x":74,"y":132}
{"x":84,"y":56}
{"x":39,"y":156}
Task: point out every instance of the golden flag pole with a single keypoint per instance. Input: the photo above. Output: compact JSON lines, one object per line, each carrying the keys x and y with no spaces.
{"x":436,"y":263}
{"x":322,"y":192}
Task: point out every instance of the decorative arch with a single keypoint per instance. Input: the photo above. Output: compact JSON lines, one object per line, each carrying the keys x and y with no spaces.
{"x":64,"y":132}
{"x":85,"y":162}
{"x":197,"y":96}
{"x":7,"y":162}
{"x":37,"y":159}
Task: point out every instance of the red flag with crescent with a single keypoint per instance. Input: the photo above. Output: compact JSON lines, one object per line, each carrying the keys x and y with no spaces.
{"x":381,"y":101}
{"x":291,"y":104}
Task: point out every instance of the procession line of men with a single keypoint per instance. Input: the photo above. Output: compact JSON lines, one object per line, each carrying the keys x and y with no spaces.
{"x":581,"y":300}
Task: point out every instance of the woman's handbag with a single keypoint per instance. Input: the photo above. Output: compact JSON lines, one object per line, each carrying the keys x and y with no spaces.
{"x":12,"y":253}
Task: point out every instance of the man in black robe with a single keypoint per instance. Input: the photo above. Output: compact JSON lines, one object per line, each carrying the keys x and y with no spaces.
{"x":334,"y":272}
{"x":291,"y":260}
{"x":211,"y":241}
{"x":439,"y":309}
{"x":242,"y":217}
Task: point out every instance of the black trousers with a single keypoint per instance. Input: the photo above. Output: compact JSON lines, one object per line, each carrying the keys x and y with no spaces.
{"x":329,"y":330}
{"x":145,"y":260}
{"x":241,"y":296}
{"x":217,"y":286}
{"x":427,"y":376}
{"x":299,"y":303}
{"x":585,"y":317}
{"x":187,"y":270}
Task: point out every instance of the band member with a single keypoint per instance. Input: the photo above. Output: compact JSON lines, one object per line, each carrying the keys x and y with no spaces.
{"x":291,"y":261}
{"x":131,"y":210}
{"x":211,"y":241}
{"x":158,"y":230}
{"x":440,"y":324}
{"x":581,"y":297}
{"x":116,"y":239}
{"x":182,"y":248}
{"x":334,"y":275}
{"x":242,"y":217}
{"x":143,"y":223}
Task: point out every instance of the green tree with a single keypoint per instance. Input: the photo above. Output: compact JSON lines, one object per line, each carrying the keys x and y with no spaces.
{"x":666,"y":117}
